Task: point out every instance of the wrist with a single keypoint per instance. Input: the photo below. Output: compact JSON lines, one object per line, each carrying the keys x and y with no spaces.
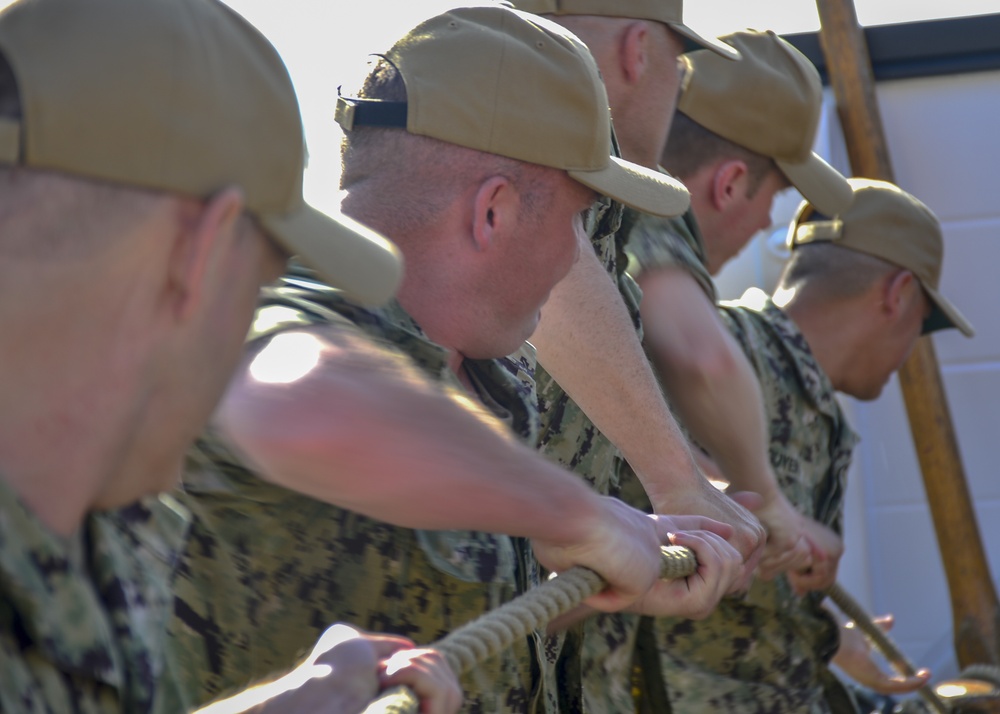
{"x":569,"y":511}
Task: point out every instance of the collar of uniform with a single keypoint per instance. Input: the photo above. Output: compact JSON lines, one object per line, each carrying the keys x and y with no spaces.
{"x":133,"y":555}
{"x":506,"y":390}
{"x":692,"y":234}
{"x":313,"y":302}
{"x":44,"y":579}
{"x":815,"y":383}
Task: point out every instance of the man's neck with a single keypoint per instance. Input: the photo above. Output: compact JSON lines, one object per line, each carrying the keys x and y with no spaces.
{"x":58,"y":489}
{"x":61,"y":436}
{"x":830,"y":333}
{"x":644,"y":156}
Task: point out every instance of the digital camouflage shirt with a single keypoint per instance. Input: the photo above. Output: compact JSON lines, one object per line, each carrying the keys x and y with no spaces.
{"x":656,"y":243}
{"x":83,"y":619}
{"x":769,"y":652}
{"x":589,"y":665}
{"x":267,"y":570}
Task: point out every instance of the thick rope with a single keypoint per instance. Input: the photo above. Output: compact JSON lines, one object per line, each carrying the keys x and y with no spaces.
{"x":491,"y":633}
{"x":884,"y":645}
{"x":983,"y":672}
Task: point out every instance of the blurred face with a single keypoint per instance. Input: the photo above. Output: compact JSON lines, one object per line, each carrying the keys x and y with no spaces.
{"x":891,"y":347}
{"x":202,"y":292}
{"x":745,"y":217}
{"x":213,"y":345}
{"x":666,"y":83}
{"x":255,"y":261}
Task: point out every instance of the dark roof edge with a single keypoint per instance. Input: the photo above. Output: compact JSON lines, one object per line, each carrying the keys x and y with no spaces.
{"x":921,"y":49}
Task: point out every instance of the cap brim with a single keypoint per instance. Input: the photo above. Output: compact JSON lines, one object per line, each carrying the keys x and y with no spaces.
{"x":637,"y":187}
{"x":693,"y":41}
{"x":820,"y":184}
{"x":945,"y":315}
{"x":347,"y":255}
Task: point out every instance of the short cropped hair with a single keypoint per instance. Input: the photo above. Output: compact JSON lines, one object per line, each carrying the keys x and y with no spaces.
{"x":60,"y":216}
{"x":831,"y":272}
{"x":691,"y":147}
{"x":424,"y":173}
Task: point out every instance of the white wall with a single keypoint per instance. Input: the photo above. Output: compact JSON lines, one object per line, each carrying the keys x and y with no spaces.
{"x":944,"y":140}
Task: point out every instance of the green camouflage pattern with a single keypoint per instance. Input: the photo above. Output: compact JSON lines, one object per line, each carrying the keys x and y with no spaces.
{"x":589,"y":665}
{"x":655,"y":243}
{"x":83,"y":619}
{"x":267,"y":569}
{"x":566,"y":435}
{"x":769,"y":652}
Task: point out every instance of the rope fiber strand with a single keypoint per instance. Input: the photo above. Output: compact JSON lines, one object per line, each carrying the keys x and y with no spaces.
{"x":491,"y":633}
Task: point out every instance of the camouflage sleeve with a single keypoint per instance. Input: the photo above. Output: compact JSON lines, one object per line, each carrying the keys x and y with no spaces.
{"x":659,"y":243}
{"x":737,"y":322}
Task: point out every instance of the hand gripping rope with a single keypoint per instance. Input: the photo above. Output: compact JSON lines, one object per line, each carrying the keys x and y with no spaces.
{"x":491,"y":633}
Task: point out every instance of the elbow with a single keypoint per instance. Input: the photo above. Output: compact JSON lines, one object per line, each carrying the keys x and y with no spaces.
{"x":695,"y":364}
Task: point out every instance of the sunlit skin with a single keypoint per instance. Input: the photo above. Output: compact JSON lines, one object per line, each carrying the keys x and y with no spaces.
{"x":195,"y":366}
{"x":553,"y":237}
{"x":599,"y":360}
{"x":286,"y":358}
{"x":888,"y":347}
{"x":860,"y":341}
{"x":467,"y":282}
{"x":747,"y":215}
{"x":638,"y":60}
{"x":355,"y":667}
{"x":126,"y":390}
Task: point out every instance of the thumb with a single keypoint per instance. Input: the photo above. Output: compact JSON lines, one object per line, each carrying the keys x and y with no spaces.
{"x":751,"y":500}
{"x":885,"y":622}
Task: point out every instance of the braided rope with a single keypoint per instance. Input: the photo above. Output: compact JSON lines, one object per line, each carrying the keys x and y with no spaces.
{"x":983,"y":672}
{"x":491,"y":633}
{"x":850,"y":607}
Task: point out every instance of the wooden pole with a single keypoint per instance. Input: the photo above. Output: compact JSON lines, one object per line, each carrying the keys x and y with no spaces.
{"x":975,"y":610}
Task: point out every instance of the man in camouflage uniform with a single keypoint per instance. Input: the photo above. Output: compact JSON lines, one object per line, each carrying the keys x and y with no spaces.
{"x":470,"y":168}
{"x":596,"y":389}
{"x":135,"y":232}
{"x":858,"y":292}
{"x":743,"y":131}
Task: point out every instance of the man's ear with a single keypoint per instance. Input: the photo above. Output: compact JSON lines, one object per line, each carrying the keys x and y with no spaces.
{"x":897,"y":290}
{"x":632,"y":52}
{"x":495,"y":206}
{"x":728,"y":183}
{"x":202,"y":233}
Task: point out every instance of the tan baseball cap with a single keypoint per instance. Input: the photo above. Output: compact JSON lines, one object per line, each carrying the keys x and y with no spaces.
{"x":506,"y":82}
{"x":888,"y":223}
{"x":180,"y":96}
{"x":669,"y":12}
{"x":769,"y":102}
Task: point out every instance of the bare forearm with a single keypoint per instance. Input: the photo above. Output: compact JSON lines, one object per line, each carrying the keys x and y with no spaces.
{"x":380,"y":439}
{"x":720,"y":403}
{"x":707,"y":377}
{"x":586,"y":341}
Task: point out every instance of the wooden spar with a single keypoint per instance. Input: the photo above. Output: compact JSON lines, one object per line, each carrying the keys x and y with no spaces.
{"x":975,"y":611}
